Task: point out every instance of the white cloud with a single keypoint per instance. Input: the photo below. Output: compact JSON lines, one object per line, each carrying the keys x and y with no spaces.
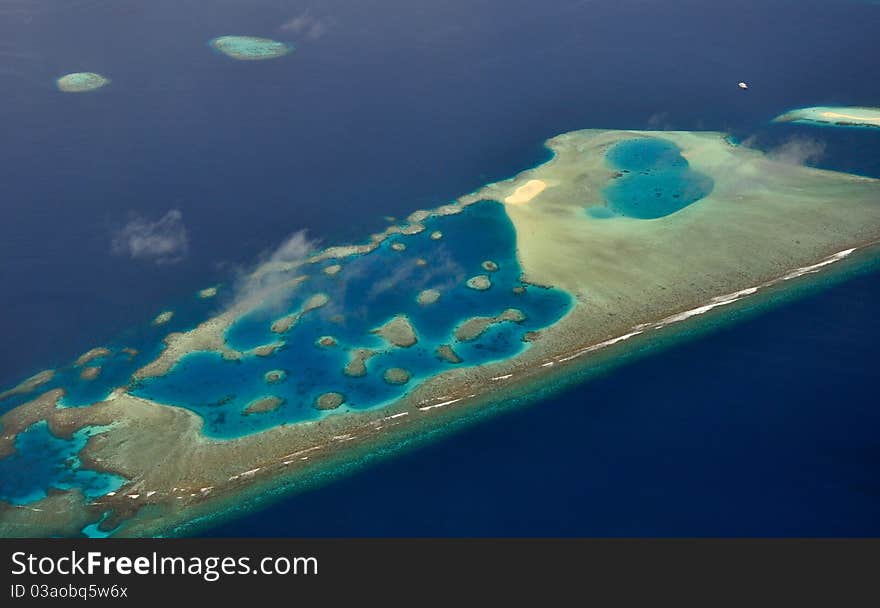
{"x":311,"y":28}
{"x":798,"y":151}
{"x":163,"y":241}
{"x":249,"y":283}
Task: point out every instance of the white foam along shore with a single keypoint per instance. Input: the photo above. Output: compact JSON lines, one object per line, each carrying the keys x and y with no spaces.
{"x":715,"y":302}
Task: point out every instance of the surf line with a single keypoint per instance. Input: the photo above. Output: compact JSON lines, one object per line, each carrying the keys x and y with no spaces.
{"x":715,"y":302}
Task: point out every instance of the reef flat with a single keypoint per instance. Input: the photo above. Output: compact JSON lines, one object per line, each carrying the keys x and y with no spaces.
{"x":180,"y":440}
{"x":842,"y":116}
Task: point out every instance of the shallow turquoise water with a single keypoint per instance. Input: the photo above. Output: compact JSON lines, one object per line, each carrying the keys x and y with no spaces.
{"x":42,"y":461}
{"x":366,"y":293}
{"x":654,"y":180}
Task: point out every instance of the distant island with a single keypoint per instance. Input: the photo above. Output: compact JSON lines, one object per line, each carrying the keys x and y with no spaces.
{"x":250,"y":48}
{"x":318,"y":364}
{"x":834,"y":116}
{"x":81,"y":82}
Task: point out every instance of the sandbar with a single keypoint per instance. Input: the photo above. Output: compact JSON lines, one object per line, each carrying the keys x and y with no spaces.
{"x":525,"y":193}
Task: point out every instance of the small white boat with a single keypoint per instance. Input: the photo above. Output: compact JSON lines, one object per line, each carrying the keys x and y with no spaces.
{"x":743,"y":85}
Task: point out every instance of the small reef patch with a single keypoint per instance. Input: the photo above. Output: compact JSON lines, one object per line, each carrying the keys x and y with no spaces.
{"x":250,"y":48}
{"x":329,"y":401}
{"x":274,"y":376}
{"x":264,"y":404}
{"x":396,"y":375}
{"x":81,"y":82}
{"x":481,"y":282}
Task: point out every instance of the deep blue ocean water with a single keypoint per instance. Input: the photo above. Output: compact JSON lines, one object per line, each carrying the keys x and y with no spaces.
{"x":389,"y":107}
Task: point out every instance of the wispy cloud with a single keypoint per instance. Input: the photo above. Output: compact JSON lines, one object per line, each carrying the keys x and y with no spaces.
{"x":293,"y":250}
{"x":779,"y":160}
{"x":798,"y":151}
{"x":659,"y":121}
{"x":163,"y":241}
{"x":311,"y":28}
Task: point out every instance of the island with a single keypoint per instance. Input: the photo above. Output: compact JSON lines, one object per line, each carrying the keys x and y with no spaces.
{"x":837,"y":116}
{"x":597,"y":261}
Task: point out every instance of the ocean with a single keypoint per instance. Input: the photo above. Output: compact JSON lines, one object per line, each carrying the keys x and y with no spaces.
{"x":763,"y":428}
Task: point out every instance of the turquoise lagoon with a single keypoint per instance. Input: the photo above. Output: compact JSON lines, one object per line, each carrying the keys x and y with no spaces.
{"x":42,"y":460}
{"x":653,"y":180}
{"x":369,"y":290}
